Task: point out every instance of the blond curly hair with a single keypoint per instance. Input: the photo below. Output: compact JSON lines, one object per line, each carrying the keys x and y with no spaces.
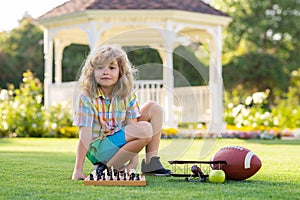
{"x":103,"y":56}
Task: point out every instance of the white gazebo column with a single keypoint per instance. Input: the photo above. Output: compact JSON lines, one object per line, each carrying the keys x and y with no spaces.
{"x":48,"y":56}
{"x":93,"y":33}
{"x":59,"y":49}
{"x":166,"y":54}
{"x":216,"y":82}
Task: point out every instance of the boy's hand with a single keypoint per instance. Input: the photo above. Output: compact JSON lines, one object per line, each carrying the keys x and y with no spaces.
{"x":78,"y":175}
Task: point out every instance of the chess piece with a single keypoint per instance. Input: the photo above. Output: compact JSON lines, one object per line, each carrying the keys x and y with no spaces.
{"x":91,"y":177}
{"x":131,"y":177}
{"x":125,"y":174}
{"x":112,"y":173}
{"x":131,"y":174}
{"x":104,"y":175}
{"x":99,"y":170}
{"x":112,"y":170}
{"x":137,"y":177}
{"x":118,"y":175}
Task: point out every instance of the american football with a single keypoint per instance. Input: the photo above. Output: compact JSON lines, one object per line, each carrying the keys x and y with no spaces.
{"x":241,"y":162}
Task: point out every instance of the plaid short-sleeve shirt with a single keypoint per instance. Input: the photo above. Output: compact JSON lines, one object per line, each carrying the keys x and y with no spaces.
{"x":103,"y":115}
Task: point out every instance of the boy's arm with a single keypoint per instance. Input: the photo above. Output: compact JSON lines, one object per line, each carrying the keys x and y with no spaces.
{"x":85,"y":138}
{"x":130,"y":121}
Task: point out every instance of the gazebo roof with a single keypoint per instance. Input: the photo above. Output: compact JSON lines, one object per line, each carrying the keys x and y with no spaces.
{"x":72,"y":6}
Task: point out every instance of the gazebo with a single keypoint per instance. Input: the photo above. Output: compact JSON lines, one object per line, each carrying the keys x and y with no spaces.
{"x":159,"y":24}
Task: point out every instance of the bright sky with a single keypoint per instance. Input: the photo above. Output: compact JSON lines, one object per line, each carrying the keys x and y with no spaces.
{"x":13,"y":10}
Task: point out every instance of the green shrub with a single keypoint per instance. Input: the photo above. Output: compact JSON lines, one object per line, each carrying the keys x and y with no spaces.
{"x":23,"y":114}
{"x":287,"y":112}
{"x":191,"y":125}
{"x":254,"y":110}
{"x":6,"y":114}
{"x":251,"y":111}
{"x":287,"y":115}
{"x":58,"y":121}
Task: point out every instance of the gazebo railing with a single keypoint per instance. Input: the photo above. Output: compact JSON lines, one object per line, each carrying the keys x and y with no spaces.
{"x":191,"y":104}
{"x":149,"y":90}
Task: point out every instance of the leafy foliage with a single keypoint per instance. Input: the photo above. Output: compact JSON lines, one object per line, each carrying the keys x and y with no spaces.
{"x":256,"y":72}
{"x":287,"y":111}
{"x":23,"y":114}
{"x":251,"y":111}
{"x":256,"y":111}
{"x":271,"y":25}
{"x":20,"y":50}
{"x":263,"y":37}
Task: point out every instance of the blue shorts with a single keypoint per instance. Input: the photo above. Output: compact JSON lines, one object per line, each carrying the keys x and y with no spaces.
{"x":101,"y":151}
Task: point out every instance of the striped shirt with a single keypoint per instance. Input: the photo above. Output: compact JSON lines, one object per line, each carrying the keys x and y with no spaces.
{"x":103,"y":115}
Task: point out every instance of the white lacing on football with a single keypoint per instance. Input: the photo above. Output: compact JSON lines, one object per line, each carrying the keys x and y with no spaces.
{"x":233,"y":147}
{"x":247,"y":160}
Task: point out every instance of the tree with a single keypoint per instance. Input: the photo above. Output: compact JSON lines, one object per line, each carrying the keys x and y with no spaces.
{"x":256,"y":72}
{"x":21,"y":49}
{"x":267,"y":30}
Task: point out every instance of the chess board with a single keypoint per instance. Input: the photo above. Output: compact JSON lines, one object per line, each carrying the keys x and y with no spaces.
{"x":115,"y":182}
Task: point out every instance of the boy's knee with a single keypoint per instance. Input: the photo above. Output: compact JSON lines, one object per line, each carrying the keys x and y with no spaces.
{"x":156,"y":108}
{"x":145,"y":129}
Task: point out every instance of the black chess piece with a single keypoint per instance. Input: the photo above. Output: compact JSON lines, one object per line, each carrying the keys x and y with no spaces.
{"x":98,"y":178}
{"x":99,"y":170}
{"x":91,"y":177}
{"x":137,"y":177}
{"x":131,"y":177}
{"x":118,"y":176}
{"x":124,"y":178}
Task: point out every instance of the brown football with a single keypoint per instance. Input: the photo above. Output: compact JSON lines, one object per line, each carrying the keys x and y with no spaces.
{"x":241,"y":162}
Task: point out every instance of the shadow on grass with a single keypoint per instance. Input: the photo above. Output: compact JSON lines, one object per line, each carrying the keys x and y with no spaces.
{"x":235,"y":183}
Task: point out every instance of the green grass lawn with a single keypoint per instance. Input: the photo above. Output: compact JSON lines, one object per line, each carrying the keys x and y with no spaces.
{"x":42,"y":169}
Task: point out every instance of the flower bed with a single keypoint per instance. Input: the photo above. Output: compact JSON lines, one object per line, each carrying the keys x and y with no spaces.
{"x":267,"y":133}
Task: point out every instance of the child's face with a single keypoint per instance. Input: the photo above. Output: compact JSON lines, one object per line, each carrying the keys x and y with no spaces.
{"x":107,"y":76}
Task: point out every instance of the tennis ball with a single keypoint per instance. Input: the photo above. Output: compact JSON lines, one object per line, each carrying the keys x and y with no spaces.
{"x":217,"y":176}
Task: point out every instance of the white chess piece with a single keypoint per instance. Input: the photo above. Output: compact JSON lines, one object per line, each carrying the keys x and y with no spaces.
{"x":112,"y":171}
